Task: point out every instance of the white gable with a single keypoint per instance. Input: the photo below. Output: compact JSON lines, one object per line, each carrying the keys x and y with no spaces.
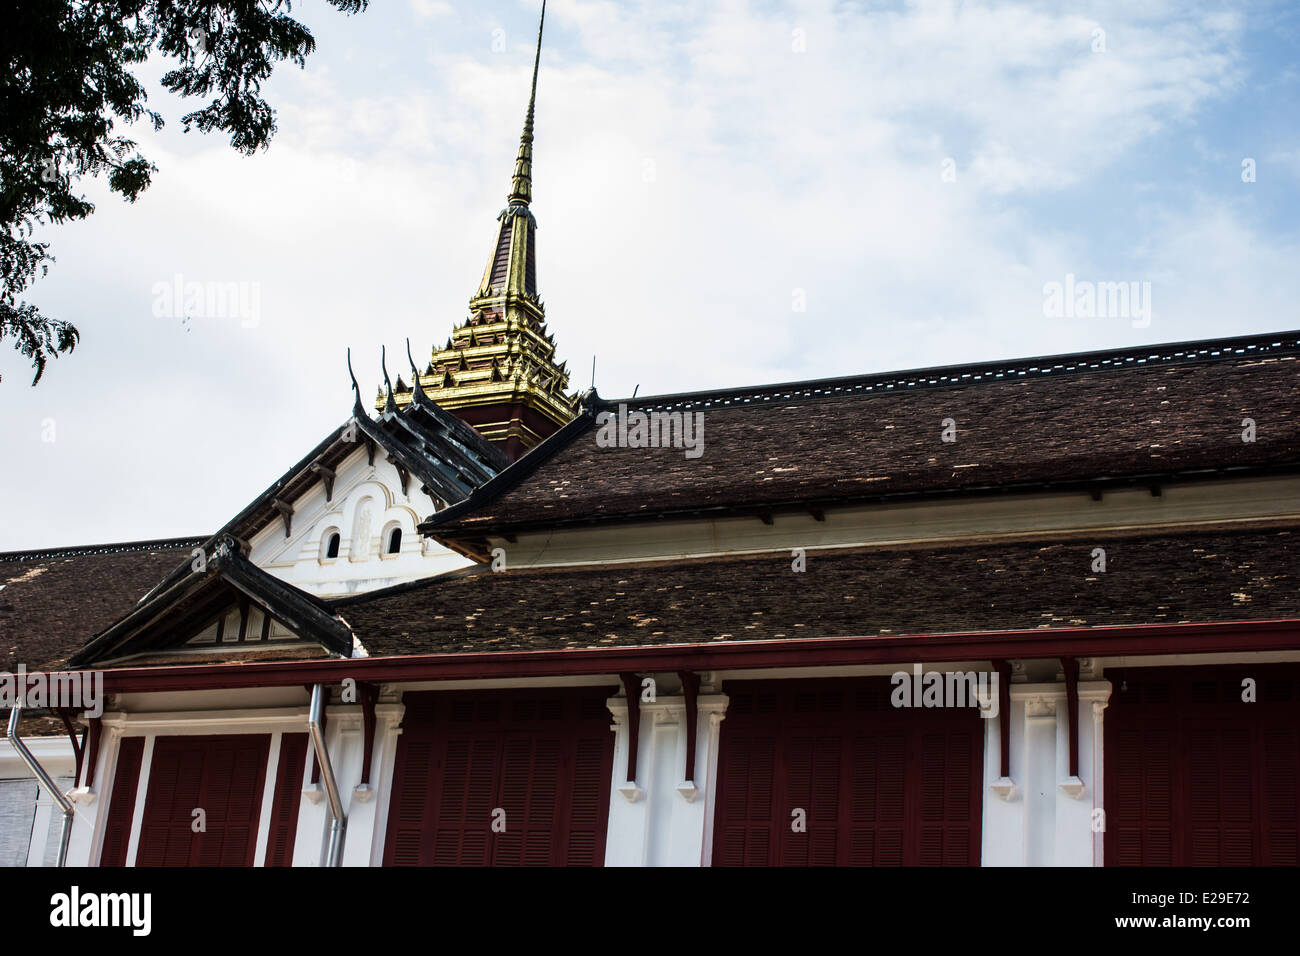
{"x":366,"y":506}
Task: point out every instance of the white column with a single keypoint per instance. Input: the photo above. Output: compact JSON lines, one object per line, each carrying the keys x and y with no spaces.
{"x":626,"y":836}
{"x":664,"y":820}
{"x":388,"y":728}
{"x":1002,"y":841}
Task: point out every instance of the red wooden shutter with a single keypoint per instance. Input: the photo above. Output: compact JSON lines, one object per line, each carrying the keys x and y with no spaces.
{"x":1220,"y":796}
{"x":542,"y":758}
{"x":877,"y":804}
{"x":812,"y":785}
{"x":223,"y":776}
{"x":593,"y":762}
{"x":121,"y":802}
{"x":288,"y":798}
{"x":1281,"y":817}
{"x":743,"y":832}
{"x":1195,"y":776}
{"x":878,"y":786}
{"x":530,"y":772}
{"x":948,"y":808}
{"x":409,"y":836}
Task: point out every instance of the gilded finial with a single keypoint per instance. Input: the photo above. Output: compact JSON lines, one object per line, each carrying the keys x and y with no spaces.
{"x":521,"y":187}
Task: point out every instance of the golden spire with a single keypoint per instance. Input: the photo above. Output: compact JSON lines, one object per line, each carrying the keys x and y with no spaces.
{"x":498,"y":371}
{"x":521,"y":187}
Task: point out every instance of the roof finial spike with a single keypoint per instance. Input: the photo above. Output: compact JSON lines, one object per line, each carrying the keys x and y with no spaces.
{"x":390,"y":404}
{"x":357,"y":407}
{"x":416,"y":391}
{"x":521,"y":187}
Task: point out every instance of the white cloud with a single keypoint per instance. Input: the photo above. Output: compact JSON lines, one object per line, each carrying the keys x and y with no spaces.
{"x":692,"y":170}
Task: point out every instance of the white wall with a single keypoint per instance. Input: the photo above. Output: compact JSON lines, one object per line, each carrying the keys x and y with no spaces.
{"x":366,"y":503}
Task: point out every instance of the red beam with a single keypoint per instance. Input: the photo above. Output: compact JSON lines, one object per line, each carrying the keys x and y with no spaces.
{"x":1132,"y":641}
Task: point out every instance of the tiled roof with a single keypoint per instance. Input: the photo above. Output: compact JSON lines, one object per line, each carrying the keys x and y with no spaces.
{"x":1151,"y":579}
{"x":52,"y":601}
{"x":1090,"y":418}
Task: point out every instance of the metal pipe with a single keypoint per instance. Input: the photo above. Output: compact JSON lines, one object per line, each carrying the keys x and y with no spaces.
{"x":339,"y":821}
{"x":43,"y":778}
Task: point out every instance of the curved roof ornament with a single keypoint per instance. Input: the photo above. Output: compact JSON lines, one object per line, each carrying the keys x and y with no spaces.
{"x":390,"y":405}
{"x":357,"y":407}
{"x":416,"y":391}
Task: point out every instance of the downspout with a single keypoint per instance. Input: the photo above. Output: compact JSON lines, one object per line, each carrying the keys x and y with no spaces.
{"x":338,"y":821}
{"x":43,"y":778}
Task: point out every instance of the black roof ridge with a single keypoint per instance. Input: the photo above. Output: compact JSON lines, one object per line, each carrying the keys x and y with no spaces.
{"x":1194,"y":351}
{"x":237,"y":570}
{"x":112,"y":547}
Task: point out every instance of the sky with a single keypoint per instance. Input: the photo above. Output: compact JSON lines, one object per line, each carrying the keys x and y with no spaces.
{"x":728,"y":193}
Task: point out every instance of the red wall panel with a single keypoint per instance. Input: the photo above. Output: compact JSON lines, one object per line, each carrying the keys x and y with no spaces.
{"x":1197,"y":776}
{"x":121,"y":802}
{"x":223,"y":776}
{"x":543,"y":757}
{"x":878,"y":785}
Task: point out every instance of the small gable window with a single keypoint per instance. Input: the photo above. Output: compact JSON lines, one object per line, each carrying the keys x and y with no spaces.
{"x":395,"y":541}
{"x":332,"y":545}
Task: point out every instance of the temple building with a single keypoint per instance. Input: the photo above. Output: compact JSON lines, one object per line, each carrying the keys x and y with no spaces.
{"x":1043,"y":611}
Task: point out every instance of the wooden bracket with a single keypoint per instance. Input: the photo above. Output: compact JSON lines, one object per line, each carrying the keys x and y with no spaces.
{"x":1004,"y":716}
{"x":327,"y":476}
{"x":632,"y":688}
{"x":78,"y":746}
{"x":691,"y":691}
{"x":403,"y":475}
{"x":94,"y":733}
{"x":1071,"y":667}
{"x":369,"y":694}
{"x":286,"y":512}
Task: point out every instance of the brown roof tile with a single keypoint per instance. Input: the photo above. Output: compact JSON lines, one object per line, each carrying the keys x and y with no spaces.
{"x":1153,"y":579}
{"x":52,"y":602}
{"x":1060,"y":420}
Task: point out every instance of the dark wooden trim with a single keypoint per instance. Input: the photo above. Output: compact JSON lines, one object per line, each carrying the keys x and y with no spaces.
{"x":632,"y":689}
{"x":66,"y":714}
{"x":1129,"y":640}
{"x":1071,"y":667}
{"x":369,"y":696}
{"x":691,"y":691}
{"x":1004,"y":717}
{"x":94,"y":734}
{"x":327,"y":476}
{"x":286,"y":512}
